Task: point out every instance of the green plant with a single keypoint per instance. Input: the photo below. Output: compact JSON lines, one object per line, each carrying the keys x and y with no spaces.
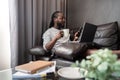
{"x":101,"y":65}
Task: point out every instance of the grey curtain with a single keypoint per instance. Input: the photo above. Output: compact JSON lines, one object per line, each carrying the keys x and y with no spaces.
{"x":33,"y":20}
{"x":13,"y":16}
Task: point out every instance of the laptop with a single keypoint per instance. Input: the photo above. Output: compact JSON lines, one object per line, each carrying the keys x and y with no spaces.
{"x":87,"y":33}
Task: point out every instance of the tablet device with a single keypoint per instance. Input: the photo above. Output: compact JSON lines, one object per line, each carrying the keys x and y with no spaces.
{"x":88,"y":33}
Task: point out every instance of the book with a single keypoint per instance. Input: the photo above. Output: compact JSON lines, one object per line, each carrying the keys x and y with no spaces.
{"x":34,"y":66}
{"x":21,"y":75}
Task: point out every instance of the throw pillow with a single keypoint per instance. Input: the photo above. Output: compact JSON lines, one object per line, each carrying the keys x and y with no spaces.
{"x":107,"y":35}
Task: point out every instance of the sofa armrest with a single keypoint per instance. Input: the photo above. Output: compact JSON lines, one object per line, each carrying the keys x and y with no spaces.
{"x":37,"y":51}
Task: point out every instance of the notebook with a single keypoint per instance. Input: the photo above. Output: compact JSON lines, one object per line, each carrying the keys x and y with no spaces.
{"x":34,"y":66}
{"x":88,"y":33}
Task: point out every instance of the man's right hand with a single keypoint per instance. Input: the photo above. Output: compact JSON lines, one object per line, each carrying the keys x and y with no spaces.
{"x":59,"y":35}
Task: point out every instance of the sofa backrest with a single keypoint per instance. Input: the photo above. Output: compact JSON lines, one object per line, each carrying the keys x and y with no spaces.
{"x":107,"y":35}
{"x":93,"y":11}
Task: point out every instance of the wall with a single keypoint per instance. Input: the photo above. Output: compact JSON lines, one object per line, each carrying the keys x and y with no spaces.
{"x":5,"y":55}
{"x":93,"y":11}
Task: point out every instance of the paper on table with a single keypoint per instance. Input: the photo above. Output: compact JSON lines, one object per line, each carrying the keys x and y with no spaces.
{"x":47,"y":70}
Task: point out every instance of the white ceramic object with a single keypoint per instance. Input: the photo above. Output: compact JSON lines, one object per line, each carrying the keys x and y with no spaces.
{"x":6,"y":74}
{"x":72,"y":73}
{"x":66,"y":32}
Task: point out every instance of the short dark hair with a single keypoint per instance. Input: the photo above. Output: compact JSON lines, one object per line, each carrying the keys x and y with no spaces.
{"x":54,"y":15}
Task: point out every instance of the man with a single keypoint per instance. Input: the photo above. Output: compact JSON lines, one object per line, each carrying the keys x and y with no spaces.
{"x":53,"y":36}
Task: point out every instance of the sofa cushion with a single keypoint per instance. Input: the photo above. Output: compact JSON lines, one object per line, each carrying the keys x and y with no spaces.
{"x":107,"y":35}
{"x":71,"y":50}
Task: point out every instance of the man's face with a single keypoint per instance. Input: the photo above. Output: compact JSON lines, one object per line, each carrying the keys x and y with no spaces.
{"x":60,"y":20}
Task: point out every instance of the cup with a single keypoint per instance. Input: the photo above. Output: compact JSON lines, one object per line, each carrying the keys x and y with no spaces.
{"x":65,"y":32}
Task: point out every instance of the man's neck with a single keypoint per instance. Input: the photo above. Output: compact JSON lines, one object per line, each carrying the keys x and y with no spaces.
{"x":57,"y":27}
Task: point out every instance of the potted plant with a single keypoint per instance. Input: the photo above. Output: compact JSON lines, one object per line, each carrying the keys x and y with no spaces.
{"x":101,"y":65}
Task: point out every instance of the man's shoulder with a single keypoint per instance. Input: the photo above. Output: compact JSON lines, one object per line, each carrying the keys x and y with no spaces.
{"x":51,"y":29}
{"x":48,"y":30}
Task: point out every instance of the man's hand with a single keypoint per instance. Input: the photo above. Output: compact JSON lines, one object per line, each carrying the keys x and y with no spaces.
{"x":50,"y":45}
{"x":76,"y":36}
{"x":59,"y":35}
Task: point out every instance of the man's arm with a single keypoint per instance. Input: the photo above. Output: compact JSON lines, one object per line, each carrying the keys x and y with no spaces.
{"x":51,"y":43}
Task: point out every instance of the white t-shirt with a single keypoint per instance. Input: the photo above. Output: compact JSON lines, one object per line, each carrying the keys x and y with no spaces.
{"x":50,"y":34}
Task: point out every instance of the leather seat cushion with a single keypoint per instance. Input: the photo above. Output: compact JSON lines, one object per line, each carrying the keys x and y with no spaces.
{"x":71,"y":51}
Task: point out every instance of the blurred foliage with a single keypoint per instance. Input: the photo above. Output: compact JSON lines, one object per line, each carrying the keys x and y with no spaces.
{"x":101,"y":65}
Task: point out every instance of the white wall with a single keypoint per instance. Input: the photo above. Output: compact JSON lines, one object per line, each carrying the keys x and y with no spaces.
{"x":5,"y":55}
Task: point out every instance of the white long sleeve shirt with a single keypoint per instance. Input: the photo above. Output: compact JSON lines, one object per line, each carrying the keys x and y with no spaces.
{"x":50,"y":34}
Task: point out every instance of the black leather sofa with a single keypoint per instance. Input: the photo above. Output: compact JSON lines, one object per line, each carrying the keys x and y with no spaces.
{"x":106,"y":36}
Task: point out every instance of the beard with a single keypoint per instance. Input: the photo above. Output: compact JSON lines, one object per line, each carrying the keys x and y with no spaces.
{"x":60,"y":25}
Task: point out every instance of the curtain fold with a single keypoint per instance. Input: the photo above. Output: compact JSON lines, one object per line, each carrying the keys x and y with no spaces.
{"x":13,"y":18}
{"x":33,"y":20}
